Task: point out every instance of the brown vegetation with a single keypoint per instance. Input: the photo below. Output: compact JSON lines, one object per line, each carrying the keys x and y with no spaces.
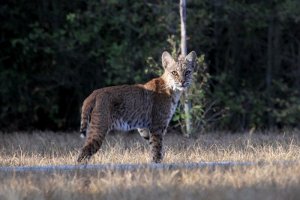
{"x":251,"y":182}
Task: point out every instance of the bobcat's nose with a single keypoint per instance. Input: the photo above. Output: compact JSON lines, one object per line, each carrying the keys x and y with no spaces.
{"x":182,"y":83}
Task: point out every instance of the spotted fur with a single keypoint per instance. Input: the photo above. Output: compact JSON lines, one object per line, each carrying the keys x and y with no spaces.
{"x":148,"y":107}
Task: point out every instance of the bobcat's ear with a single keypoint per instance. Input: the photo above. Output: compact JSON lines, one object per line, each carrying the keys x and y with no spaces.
{"x":166,"y":59}
{"x":191,"y":58}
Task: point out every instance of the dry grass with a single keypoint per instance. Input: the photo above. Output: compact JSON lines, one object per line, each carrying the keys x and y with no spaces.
{"x":47,"y":148}
{"x":255,"y":182}
{"x":237,"y":183}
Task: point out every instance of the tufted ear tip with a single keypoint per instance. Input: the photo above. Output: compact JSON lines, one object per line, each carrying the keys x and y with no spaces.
{"x":194,"y":53}
{"x":191,"y":56}
{"x":165,"y":56}
{"x":166,"y":59}
{"x":165,"y":53}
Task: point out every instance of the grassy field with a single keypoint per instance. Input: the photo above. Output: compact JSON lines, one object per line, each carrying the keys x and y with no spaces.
{"x":251,"y":182}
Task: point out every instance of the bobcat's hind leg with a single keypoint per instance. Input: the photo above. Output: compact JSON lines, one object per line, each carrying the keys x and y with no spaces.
{"x":144,"y":132}
{"x":93,"y":142}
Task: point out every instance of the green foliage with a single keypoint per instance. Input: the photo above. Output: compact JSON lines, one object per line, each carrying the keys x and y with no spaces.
{"x":253,"y":61}
{"x":54,"y":53}
{"x":55,"y":56}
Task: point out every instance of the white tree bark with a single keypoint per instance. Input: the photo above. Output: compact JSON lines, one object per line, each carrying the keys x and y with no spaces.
{"x":187,"y":107}
{"x":182,"y":9}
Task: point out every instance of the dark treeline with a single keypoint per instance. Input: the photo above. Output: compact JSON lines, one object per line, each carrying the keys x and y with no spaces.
{"x":54,"y":53}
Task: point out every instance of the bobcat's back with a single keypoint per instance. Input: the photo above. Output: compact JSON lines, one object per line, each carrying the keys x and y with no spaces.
{"x":125,"y":107}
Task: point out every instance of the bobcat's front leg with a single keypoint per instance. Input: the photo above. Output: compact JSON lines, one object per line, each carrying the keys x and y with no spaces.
{"x":156,"y":139}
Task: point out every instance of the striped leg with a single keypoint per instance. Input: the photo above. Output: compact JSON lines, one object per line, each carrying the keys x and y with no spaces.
{"x":156,"y":139}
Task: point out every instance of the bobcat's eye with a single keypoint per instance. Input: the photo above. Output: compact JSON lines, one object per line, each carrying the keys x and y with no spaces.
{"x":187,"y":73}
{"x":174,"y":73}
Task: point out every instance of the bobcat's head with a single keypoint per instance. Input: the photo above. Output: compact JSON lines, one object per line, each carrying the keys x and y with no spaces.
{"x":179,"y":73}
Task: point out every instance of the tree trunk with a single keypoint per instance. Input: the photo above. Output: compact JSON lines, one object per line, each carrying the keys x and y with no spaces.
{"x":186,"y":101}
{"x":183,"y":27}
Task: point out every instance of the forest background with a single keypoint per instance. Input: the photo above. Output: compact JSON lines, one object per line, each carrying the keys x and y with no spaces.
{"x":54,"y":53}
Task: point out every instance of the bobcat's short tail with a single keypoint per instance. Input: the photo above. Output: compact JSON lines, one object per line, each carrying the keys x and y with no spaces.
{"x":86,"y":110}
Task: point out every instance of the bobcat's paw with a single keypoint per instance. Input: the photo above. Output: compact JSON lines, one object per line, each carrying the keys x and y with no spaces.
{"x":84,"y":156}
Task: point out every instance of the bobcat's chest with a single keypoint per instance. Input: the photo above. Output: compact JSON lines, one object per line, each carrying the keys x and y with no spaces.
{"x":173,"y":104}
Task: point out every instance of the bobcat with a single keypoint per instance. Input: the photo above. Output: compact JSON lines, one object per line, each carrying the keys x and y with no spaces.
{"x":147,"y":108}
